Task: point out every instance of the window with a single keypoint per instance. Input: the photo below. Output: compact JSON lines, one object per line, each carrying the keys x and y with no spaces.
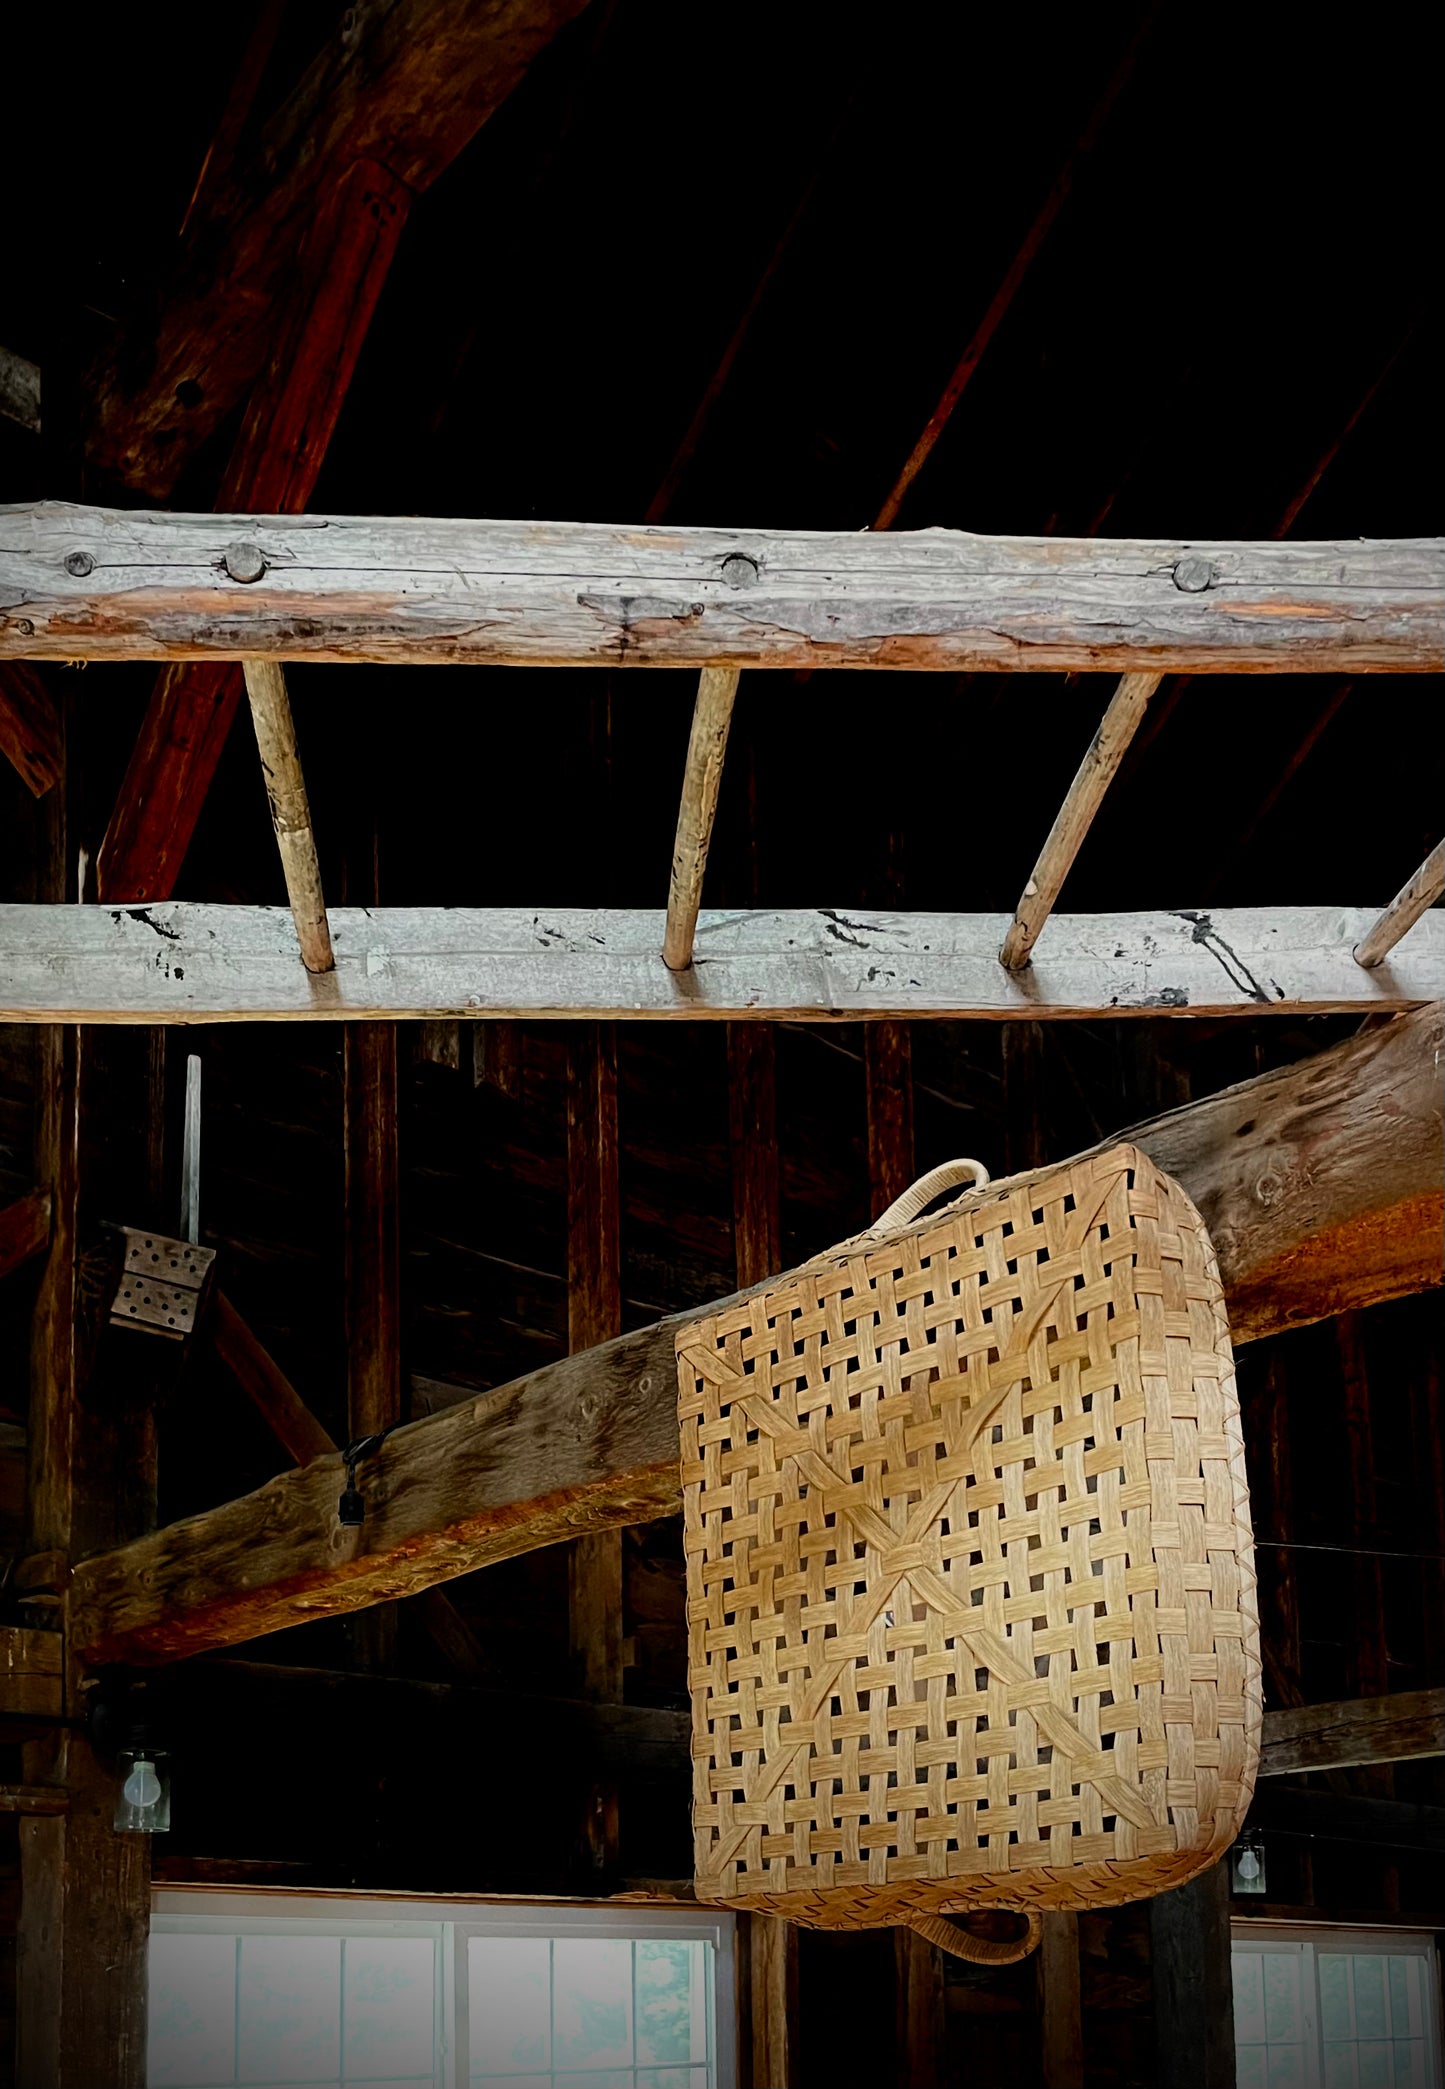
{"x":1334,"y":2009}
{"x":263,"y":1991}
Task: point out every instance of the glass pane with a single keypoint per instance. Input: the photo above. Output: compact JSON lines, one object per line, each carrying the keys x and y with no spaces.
{"x":1250,"y":2062}
{"x":669,"y":2027}
{"x":1410,"y":2064}
{"x":1286,"y":2067}
{"x":289,"y":2009}
{"x":1248,"y":1998}
{"x":390,"y":2008}
{"x":671,"y":2077}
{"x":1334,"y":1996}
{"x":192,"y":2027}
{"x":509,"y":2002}
{"x":591,"y":2002}
{"x":1376,"y":2064}
{"x":1339,"y":2064}
{"x":1282,"y":1994}
{"x":1369,"y":1975}
{"x":1404,"y":2013}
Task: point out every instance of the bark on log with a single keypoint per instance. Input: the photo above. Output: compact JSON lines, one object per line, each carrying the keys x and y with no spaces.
{"x":97,"y":584}
{"x":591,"y":1441}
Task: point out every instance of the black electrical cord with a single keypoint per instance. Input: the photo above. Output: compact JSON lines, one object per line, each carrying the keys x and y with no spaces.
{"x":351,"y":1509}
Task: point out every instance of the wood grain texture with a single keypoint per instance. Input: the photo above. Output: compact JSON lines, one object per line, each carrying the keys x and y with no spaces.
{"x":1320,"y":1184}
{"x":1404,"y":910}
{"x":183,"y":962}
{"x":373,"y":1273}
{"x":591,"y":1442}
{"x":290,"y":810}
{"x":24,"y":1229}
{"x":29,"y":729}
{"x":403,"y":84}
{"x":1060,"y":2014}
{"x":1193,"y":1987}
{"x":921,"y":2025}
{"x":1076,"y":815}
{"x":772,"y":1948}
{"x":291,"y":416}
{"x":266,"y":1385}
{"x":753,"y":1151}
{"x":31,"y":1684}
{"x":1400,"y":1727}
{"x":702,"y":778}
{"x":591,"y":595}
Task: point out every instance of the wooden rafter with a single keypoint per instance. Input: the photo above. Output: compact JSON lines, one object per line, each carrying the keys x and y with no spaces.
{"x":1404,"y":910}
{"x":92,"y":583}
{"x":1401,"y":1727}
{"x":290,"y":810}
{"x":24,"y":1229}
{"x":29,"y":728}
{"x":707,"y":745}
{"x":185,"y":962}
{"x":1350,"y":1144}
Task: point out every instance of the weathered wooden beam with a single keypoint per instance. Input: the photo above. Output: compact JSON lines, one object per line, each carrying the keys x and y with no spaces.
{"x":1346,"y":1146}
{"x":1076,"y":815}
{"x":290,"y":810}
{"x":24,"y":1229}
{"x":1060,"y":2013}
{"x":702,"y":778}
{"x":1401,"y":1727}
{"x":266,"y":1385}
{"x":1193,"y":1986}
{"x":402,"y":83}
{"x":183,"y":962}
{"x":39,"y":1801}
{"x":99,"y":584}
{"x":1320,"y":1184}
{"x":1404,"y":909}
{"x":31,"y":1683}
{"x":29,"y":729}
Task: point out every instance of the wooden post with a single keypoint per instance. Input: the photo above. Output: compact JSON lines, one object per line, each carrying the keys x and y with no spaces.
{"x":290,"y":809}
{"x":85,"y":1891}
{"x":1193,"y":1989}
{"x":1404,"y":910}
{"x":1059,"y":2010}
{"x":888,"y":1064}
{"x":594,"y":1314}
{"x":712,"y":714}
{"x":373,"y":1272}
{"x":922,"y":2025}
{"x":769,"y":1944}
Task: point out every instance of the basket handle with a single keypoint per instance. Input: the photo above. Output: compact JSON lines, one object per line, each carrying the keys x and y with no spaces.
{"x":948,"y":1175}
{"x":980,"y":1951}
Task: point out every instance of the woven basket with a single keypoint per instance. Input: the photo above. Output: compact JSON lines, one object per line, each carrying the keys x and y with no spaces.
{"x":971,"y":1599}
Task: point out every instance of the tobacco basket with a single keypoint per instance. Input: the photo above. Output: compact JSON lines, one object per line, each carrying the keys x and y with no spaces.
{"x":971,"y":1597}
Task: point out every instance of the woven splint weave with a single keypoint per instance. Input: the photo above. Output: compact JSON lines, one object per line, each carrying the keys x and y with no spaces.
{"x":971,"y":1599}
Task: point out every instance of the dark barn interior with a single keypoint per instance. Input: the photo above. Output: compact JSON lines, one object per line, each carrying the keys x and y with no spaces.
{"x":1091,"y":275}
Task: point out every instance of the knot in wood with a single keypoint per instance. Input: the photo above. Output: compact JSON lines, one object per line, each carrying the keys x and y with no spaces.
{"x":78,"y":564}
{"x":245,"y":562}
{"x":1193,"y":575}
{"x":739,"y":571}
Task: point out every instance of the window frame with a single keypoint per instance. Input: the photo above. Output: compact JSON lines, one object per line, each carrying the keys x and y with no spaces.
{"x":451,"y":1922}
{"x":1311,"y":1938}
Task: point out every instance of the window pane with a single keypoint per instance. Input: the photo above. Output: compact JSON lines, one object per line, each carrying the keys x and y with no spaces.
{"x":591,"y":2002}
{"x":1282,"y":1972}
{"x":510,"y":2006}
{"x":192,"y":2025}
{"x":1335,"y":1996}
{"x":1248,"y":1998}
{"x":390,"y":2003}
{"x":1369,"y":1997}
{"x":290,"y":2009}
{"x":1286,"y":2067}
{"x":671,"y":2026}
{"x":1251,"y":2072}
{"x":1339,"y":2065}
{"x":671,"y":2077}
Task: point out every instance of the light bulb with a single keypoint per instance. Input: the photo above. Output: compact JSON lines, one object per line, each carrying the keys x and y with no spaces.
{"x":1248,"y":1863}
{"x":142,"y":1788}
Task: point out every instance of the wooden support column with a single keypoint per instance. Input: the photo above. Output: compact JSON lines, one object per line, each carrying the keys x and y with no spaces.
{"x":290,"y":810}
{"x":1193,"y":1987}
{"x":768,"y":1945}
{"x":920,"y":2039}
{"x":373,"y":1272}
{"x":1059,"y":2011}
{"x":85,"y":1891}
{"x":594,"y":1314}
{"x":888,"y":1065}
{"x":1404,"y":910}
{"x":712,"y":714}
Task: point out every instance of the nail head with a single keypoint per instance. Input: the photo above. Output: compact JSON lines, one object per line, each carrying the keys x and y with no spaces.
{"x":1193,"y":575}
{"x":739,"y":571}
{"x":79,"y":563}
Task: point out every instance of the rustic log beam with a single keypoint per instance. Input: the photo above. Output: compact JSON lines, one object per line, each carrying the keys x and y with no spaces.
{"x":184,"y":962}
{"x":1319,"y":1185}
{"x":99,"y":584}
{"x":29,"y":729}
{"x":404,"y":85}
{"x":290,"y":810}
{"x":1404,"y":909}
{"x":24,"y":1229}
{"x":702,"y":778}
{"x":1076,"y":815}
{"x":1401,"y":1727}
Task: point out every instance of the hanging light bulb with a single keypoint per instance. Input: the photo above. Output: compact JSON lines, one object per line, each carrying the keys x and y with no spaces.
{"x":143,"y":1806}
{"x":1247,"y":1866}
